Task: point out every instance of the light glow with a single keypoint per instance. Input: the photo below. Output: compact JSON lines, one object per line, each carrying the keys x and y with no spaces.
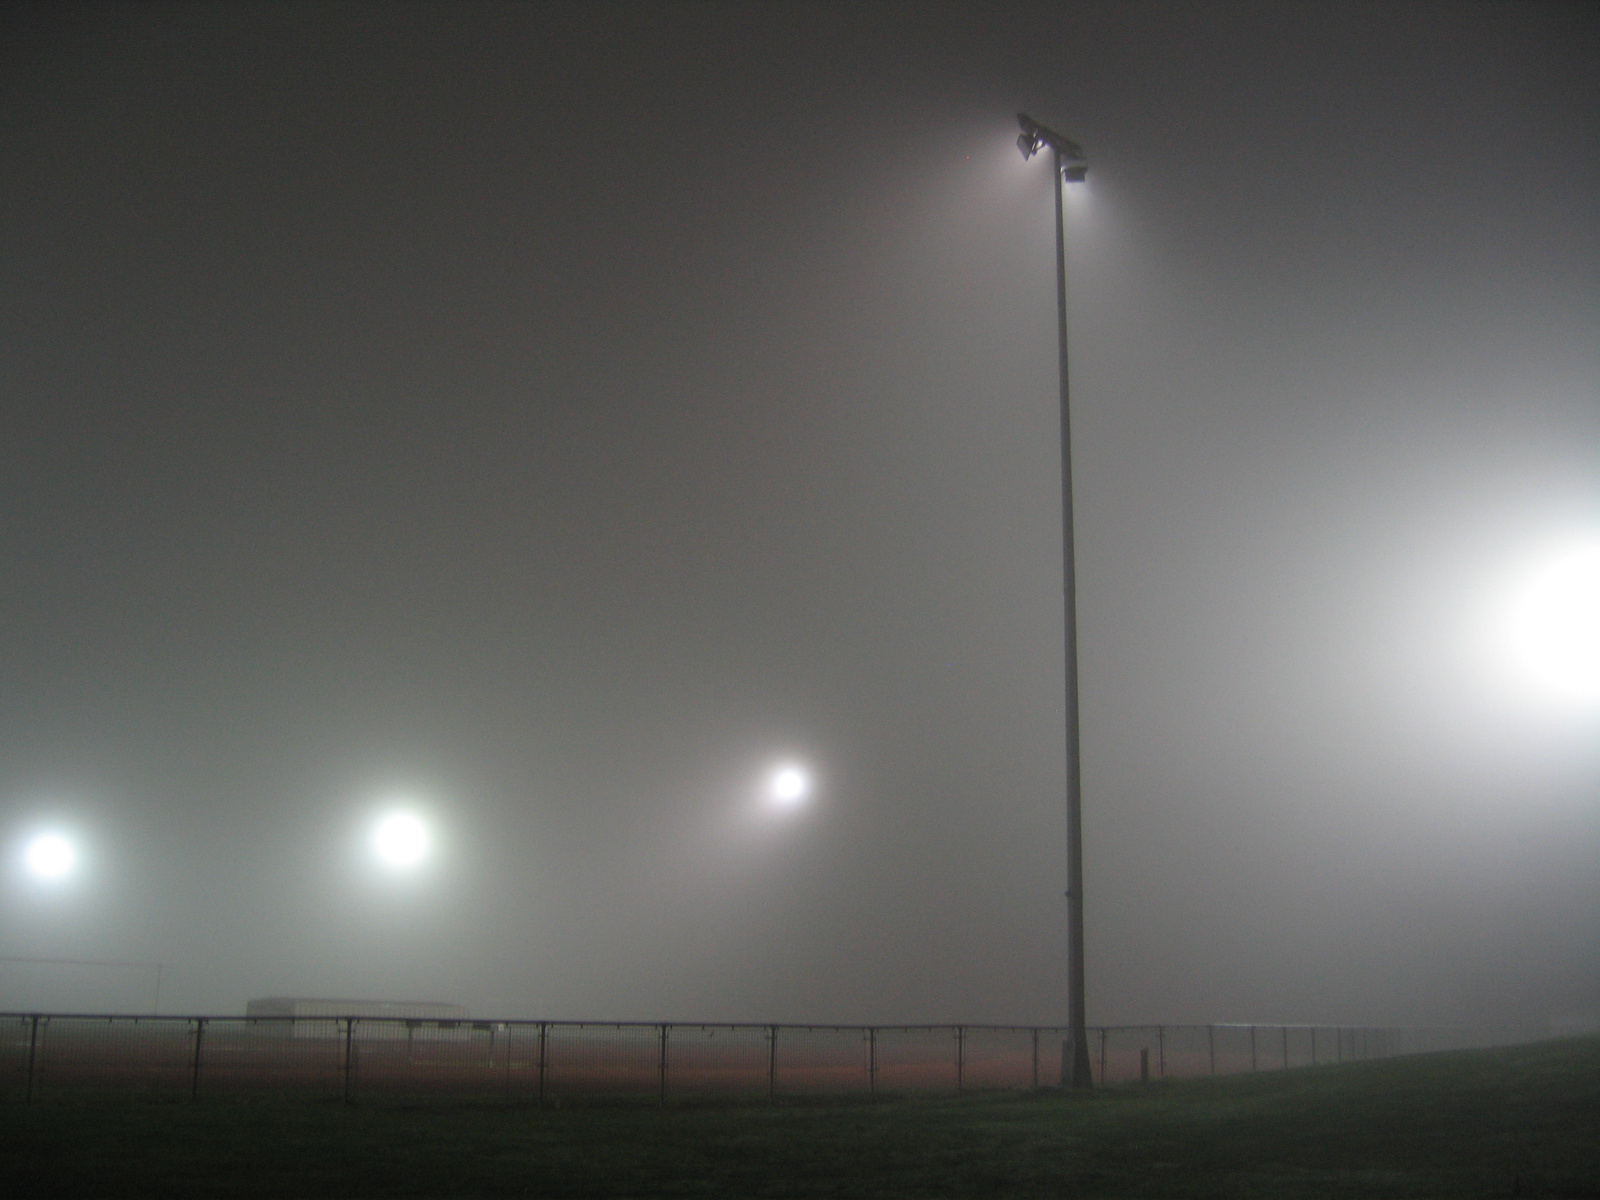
{"x":1555,"y":625}
{"x":50,"y":857}
{"x":401,"y":841}
{"x":789,"y":786}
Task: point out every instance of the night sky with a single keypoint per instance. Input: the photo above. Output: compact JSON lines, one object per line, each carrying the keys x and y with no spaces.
{"x":551,"y":419}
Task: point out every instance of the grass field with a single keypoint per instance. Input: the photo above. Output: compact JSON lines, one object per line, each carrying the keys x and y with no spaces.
{"x":1523,"y":1121}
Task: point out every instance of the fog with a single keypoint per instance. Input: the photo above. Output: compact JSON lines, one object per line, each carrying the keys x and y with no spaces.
{"x":550,"y":421}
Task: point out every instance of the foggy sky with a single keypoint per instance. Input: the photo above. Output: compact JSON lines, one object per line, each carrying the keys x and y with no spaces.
{"x":560,"y":415}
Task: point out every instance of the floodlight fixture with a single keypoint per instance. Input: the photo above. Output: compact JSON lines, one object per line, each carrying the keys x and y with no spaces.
{"x":50,"y":857}
{"x":401,"y":841}
{"x":1555,"y":624}
{"x":1070,"y":160}
{"x":789,"y":785}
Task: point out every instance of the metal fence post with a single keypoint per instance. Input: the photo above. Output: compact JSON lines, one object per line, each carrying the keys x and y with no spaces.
{"x":772,"y":1063}
{"x":1035,"y":1059}
{"x":1252,"y":1047}
{"x":1313,"y":1045}
{"x":1161,"y":1051}
{"x":544,"y":1029}
{"x":872,"y":1061}
{"x":663,"y":1062}
{"x":194,"y":1067}
{"x":1102,"y":1055}
{"x":1285,"y":1047}
{"x":33,"y":1046}
{"x":349,"y":1054}
{"x":1211,"y":1046}
{"x":961,"y":1054}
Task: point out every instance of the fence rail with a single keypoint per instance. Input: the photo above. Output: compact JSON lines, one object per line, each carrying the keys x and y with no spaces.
{"x":549,"y":1061}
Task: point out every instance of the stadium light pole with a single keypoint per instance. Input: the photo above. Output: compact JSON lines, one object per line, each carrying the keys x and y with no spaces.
{"x":1070,"y":167}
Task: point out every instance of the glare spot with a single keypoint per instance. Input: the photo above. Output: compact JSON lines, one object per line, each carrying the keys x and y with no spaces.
{"x":1556,"y":625}
{"x":789,"y":786}
{"x":51,"y":857}
{"x":400,"y":840}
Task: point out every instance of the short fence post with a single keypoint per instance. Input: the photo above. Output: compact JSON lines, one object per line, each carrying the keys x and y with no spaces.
{"x":194,"y":1067}
{"x":1144,"y":1064}
{"x":1252,"y":1047}
{"x":772,"y":1063}
{"x":349,"y":1054}
{"x":1285,"y":1047}
{"x":1161,"y":1051}
{"x":961,"y":1054}
{"x":33,"y":1046}
{"x":1211,"y":1046}
{"x":1313,"y":1045}
{"x":543,"y":1031}
{"x":1035,"y":1059}
{"x":1102,"y":1056}
{"x":663,"y":1067}
{"x":872,"y":1061}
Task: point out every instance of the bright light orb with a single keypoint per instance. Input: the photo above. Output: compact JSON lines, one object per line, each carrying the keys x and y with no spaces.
{"x":1556,"y":625}
{"x":789,"y":787}
{"x":400,"y":841}
{"x":50,"y":857}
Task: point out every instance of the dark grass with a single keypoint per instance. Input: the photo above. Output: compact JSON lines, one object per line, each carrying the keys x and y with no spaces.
{"x":1523,"y":1122}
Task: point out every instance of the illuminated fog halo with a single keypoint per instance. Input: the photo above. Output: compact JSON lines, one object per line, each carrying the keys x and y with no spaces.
{"x":401,"y":840}
{"x":788,"y":786}
{"x":50,"y":857}
{"x":1555,"y":625}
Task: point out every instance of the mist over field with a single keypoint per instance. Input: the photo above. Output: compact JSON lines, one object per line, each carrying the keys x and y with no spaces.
{"x":548,"y":422}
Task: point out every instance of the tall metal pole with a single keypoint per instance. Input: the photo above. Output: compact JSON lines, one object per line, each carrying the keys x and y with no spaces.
{"x":1077,"y":1030}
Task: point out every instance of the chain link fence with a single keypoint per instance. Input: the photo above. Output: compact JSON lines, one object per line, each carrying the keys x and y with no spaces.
{"x":550,"y":1062}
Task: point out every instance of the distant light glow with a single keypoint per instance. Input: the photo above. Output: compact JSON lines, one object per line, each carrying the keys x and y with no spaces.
{"x":789,"y":786}
{"x":50,"y":857}
{"x":400,"y":840}
{"x":1556,"y":625}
